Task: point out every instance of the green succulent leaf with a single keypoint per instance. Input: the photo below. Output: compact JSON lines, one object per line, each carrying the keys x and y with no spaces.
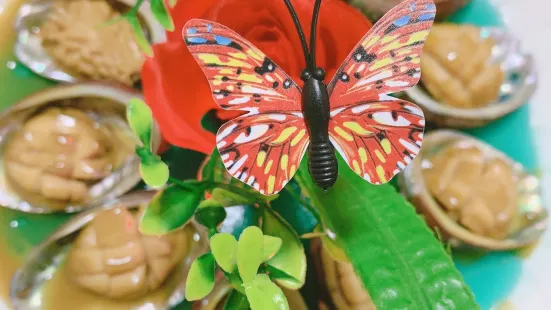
{"x":236,"y":301}
{"x":161,"y":14}
{"x":170,"y":209}
{"x":271,"y":247}
{"x":139,"y":35}
{"x":154,"y":174}
{"x":224,"y":249}
{"x":140,"y":120}
{"x":263,"y":294}
{"x":250,"y":252}
{"x":200,"y":280}
{"x":391,"y":248}
{"x":235,"y":280}
{"x":290,"y":259}
{"x":210,"y":214}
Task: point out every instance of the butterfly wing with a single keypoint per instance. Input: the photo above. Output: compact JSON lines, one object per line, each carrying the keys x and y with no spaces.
{"x":241,"y":77}
{"x":264,"y":147}
{"x":263,"y":150}
{"x":376,"y":134}
{"x":378,"y":138}
{"x":387,"y":59}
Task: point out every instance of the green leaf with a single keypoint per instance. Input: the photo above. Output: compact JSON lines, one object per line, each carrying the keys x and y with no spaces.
{"x":224,"y":249}
{"x":235,"y":280}
{"x":394,"y":253}
{"x":271,"y":246}
{"x":170,"y":209}
{"x":200,"y":280}
{"x":263,"y":294}
{"x":249,"y":252}
{"x":213,"y":169}
{"x":161,"y":14}
{"x":210,"y":214}
{"x":172,"y":3}
{"x":139,"y":35}
{"x":334,"y":249}
{"x":140,"y":119}
{"x":235,"y":196}
{"x":236,"y":301}
{"x":290,"y":259}
{"x":154,"y":174}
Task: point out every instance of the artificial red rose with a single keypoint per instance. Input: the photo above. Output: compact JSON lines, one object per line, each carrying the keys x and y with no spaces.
{"x":178,"y":92}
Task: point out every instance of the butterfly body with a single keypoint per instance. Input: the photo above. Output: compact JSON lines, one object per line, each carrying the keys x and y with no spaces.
{"x":377,"y":135}
{"x":322,"y":163}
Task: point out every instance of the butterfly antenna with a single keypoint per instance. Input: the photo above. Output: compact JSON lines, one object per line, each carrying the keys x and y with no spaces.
{"x":300,"y":31}
{"x":313,"y":35}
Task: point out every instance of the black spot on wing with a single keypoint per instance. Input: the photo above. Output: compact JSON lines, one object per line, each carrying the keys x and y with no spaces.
{"x":287,"y":84}
{"x":223,"y":92}
{"x":361,"y":55}
{"x":390,"y":28}
{"x":411,"y":72}
{"x":344,"y":77}
{"x":268,"y":66}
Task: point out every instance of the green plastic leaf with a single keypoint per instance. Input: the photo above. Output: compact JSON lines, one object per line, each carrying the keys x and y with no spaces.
{"x":235,"y":280}
{"x":161,"y":14}
{"x":249,"y":252}
{"x":263,"y":294}
{"x":170,"y":209}
{"x":334,"y":249}
{"x":238,"y":195}
{"x":140,"y":119}
{"x":290,"y":259}
{"x":210,"y":215}
{"x":224,"y":249}
{"x":213,"y":169}
{"x":139,"y":35}
{"x":271,"y":247}
{"x":154,"y":174}
{"x":200,"y":280}
{"x":394,"y":253}
{"x":236,"y":301}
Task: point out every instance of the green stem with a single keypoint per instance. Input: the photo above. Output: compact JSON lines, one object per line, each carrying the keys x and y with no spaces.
{"x":136,"y":7}
{"x":180,"y":183}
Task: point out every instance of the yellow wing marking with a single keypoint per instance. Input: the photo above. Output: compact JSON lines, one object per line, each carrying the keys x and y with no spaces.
{"x":285,"y":134}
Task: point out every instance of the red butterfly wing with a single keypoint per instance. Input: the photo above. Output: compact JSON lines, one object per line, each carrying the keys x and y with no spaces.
{"x":379,"y":135}
{"x":378,"y":138}
{"x":263,"y":150}
{"x":264,"y":147}
{"x":241,"y":77}
{"x":387,"y":59}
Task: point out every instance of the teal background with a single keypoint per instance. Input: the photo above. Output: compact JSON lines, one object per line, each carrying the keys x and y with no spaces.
{"x":492,"y":277}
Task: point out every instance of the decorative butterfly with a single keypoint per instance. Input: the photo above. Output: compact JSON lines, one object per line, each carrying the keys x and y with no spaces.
{"x":376,"y":134}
